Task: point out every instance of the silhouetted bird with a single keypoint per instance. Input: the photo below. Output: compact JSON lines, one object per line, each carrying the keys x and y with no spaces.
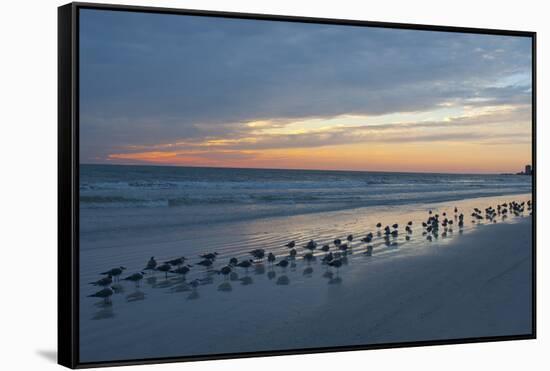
{"x":205,"y":263}
{"x":136,"y":277}
{"x":209,"y":256}
{"x":291,"y":244}
{"x":283,"y":263}
{"x":225,"y":270}
{"x":105,"y":294}
{"x":336,"y":263}
{"x":258,"y":253}
{"x":164,"y":268}
{"x":151,"y":264}
{"x":177,"y":261}
{"x":245,"y":264}
{"x":105,"y":281}
{"x":311,"y":245}
{"x":327,"y":257}
{"x":115,"y":272}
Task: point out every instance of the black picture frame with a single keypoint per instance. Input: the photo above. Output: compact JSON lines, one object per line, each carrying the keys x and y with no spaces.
{"x":68,"y":180}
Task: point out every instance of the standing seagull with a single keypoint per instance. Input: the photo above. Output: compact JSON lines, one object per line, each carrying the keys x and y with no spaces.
{"x":311,"y":245}
{"x":176,"y":262}
{"x":136,"y":277}
{"x":115,"y":272}
{"x":182,"y":270}
{"x":151,"y":264}
{"x":210,"y":256}
{"x":258,"y":254}
{"x":105,"y":281}
{"x":164,"y":268}
{"x":245,"y":264}
{"x":105,"y":294}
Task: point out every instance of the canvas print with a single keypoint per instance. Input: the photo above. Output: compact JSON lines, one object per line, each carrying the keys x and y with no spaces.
{"x":253,"y":185}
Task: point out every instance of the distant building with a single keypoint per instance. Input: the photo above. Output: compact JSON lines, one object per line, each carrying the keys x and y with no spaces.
{"x":528,"y":170}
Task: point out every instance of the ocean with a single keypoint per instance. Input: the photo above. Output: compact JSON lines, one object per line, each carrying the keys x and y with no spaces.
{"x":204,"y":193}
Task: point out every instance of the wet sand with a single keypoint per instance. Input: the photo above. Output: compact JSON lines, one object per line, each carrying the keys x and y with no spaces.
{"x":470,"y":284}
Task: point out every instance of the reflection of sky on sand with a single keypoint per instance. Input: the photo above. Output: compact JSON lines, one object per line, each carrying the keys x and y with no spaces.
{"x":203,"y":301}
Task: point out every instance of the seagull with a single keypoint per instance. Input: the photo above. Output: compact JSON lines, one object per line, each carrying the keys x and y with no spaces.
{"x":233,"y":261}
{"x":325,"y":248}
{"x":151,"y":264}
{"x":337,"y":242}
{"x":105,"y":281}
{"x":327,"y":257}
{"x":291,"y":244}
{"x":177,"y":261}
{"x":343,"y":247}
{"x":378,"y":225}
{"x":164,"y":268}
{"x":105,"y":294}
{"x":205,"y":263}
{"x":136,"y":277}
{"x":270,"y":257}
{"x":292,"y":253}
{"x":258,"y":253}
{"x":367,"y":239}
{"x":209,"y":256}
{"x":245,"y":264}
{"x":115,"y":272}
{"x":395,"y":226}
{"x":337,"y":263}
{"x":225,"y":270}
{"x":350,"y":238}
{"x":311,"y":245}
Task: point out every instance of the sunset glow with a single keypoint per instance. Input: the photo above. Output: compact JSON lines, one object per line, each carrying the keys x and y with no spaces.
{"x":251,"y":95}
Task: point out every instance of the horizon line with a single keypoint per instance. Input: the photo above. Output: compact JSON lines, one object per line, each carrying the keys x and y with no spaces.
{"x":268,"y":168}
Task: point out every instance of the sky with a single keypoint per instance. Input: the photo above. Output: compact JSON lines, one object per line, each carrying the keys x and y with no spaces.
{"x":199,"y":91}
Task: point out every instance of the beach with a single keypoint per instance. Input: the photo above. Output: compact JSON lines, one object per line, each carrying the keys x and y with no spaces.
{"x":473,"y":281}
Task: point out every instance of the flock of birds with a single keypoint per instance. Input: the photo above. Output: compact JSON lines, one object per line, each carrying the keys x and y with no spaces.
{"x":334,"y":256}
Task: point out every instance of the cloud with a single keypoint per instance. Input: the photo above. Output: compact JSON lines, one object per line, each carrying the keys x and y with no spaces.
{"x":150,"y":78}
{"x":503,"y":125}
